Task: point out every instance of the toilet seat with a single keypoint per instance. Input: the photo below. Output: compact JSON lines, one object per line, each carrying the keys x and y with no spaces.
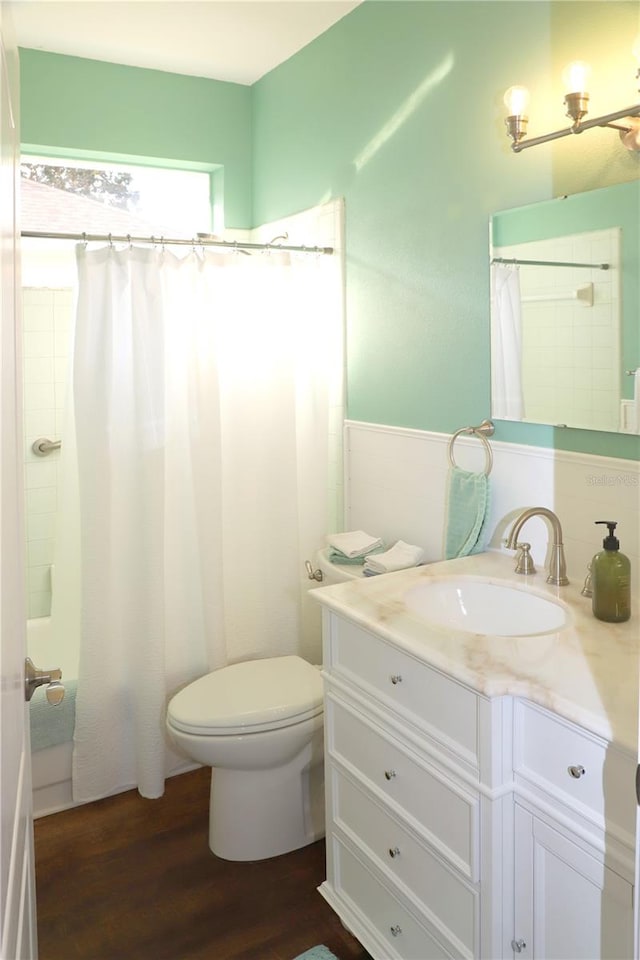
{"x":249,"y":697}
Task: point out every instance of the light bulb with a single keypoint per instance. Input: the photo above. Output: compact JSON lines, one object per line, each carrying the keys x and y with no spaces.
{"x":575,"y":76}
{"x":635,"y":49}
{"x":516,"y":100}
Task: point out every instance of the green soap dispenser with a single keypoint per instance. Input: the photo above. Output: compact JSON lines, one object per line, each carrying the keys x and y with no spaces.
{"x":611,"y":579}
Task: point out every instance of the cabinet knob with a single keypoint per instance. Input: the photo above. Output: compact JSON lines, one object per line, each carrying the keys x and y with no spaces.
{"x":576,"y":771}
{"x":395,"y":930}
{"x":518,"y":946}
{"x":389,"y":774}
{"x":394,"y":852}
{"x":395,"y":678}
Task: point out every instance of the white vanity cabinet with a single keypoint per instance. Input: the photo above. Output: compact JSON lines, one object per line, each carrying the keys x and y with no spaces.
{"x":575,"y":813}
{"x":461,"y":826}
{"x":413,"y":826}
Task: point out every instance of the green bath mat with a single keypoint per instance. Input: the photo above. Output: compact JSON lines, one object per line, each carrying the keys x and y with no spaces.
{"x":317,"y":953}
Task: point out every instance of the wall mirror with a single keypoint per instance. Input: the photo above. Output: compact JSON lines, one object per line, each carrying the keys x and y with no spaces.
{"x":565,"y":311}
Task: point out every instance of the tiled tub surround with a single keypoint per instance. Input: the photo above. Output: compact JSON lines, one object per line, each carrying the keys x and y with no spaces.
{"x":395,"y":488}
{"x":479,"y":789}
{"x":570,"y":346}
{"x":47,"y":315}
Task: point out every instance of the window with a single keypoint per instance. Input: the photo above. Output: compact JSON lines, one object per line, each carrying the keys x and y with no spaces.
{"x":77,"y":196}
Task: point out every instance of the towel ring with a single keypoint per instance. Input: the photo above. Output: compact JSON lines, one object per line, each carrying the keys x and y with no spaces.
{"x":474,"y":432}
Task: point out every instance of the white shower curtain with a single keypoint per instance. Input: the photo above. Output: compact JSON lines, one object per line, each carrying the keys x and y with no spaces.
{"x":202,"y":393}
{"x":507,"y":400}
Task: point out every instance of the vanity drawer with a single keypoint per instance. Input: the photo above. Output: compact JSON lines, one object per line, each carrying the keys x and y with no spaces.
{"x":442,"y":811}
{"x":406,"y":860}
{"x":595,"y":778}
{"x":404,"y":936}
{"x":406,"y":685}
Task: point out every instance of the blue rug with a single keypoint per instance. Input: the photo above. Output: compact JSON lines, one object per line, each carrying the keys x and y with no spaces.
{"x":317,"y":953}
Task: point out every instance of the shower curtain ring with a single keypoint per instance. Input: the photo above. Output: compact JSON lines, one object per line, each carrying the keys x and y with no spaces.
{"x":84,"y":240}
{"x":129,"y":241}
{"x":110,"y":241}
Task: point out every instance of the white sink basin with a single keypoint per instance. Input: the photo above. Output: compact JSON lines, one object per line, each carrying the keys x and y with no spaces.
{"x":486,"y":607}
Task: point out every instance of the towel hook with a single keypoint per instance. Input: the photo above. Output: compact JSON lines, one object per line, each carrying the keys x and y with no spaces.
{"x":482,"y":432}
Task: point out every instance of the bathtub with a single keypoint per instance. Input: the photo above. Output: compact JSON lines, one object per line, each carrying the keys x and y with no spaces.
{"x":51,"y":764}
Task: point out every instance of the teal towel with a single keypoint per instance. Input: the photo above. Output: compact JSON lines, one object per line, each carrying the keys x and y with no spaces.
{"x":467,"y":513}
{"x":337,"y":556}
{"x":317,"y":953}
{"x":51,"y":725}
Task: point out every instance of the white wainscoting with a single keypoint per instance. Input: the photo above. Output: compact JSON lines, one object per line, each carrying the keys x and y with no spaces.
{"x":396,"y":482}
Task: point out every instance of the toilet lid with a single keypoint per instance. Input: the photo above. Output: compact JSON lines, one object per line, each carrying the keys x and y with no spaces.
{"x":248,"y":697}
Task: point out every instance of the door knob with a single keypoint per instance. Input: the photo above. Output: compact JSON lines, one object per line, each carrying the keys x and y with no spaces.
{"x":36,"y":678}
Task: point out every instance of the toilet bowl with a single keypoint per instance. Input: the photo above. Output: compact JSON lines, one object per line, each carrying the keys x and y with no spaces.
{"x":259,"y":725}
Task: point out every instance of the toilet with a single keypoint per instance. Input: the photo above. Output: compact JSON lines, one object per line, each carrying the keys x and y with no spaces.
{"x":259,"y":725}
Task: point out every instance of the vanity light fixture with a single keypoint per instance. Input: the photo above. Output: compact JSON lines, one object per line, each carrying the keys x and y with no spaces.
{"x":575,"y":78}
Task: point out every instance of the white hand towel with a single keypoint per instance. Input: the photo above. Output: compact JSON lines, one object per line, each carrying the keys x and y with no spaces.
{"x":355,"y":543}
{"x":399,"y":557}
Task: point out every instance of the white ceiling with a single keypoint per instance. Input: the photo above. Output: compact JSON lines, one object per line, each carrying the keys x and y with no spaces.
{"x":234,"y":40}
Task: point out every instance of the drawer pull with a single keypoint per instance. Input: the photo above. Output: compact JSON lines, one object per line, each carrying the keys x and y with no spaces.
{"x":395,"y":930}
{"x":395,"y":678}
{"x":389,"y":774}
{"x":394,"y":852}
{"x":518,"y":946}
{"x":576,"y":772}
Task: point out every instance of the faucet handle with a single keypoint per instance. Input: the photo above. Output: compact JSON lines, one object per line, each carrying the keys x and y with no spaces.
{"x":524,"y":560}
{"x":587,"y":590}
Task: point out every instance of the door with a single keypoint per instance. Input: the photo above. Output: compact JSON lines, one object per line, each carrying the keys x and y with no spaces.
{"x":568,"y":903}
{"x":17,"y":886}
{"x":636,"y":898}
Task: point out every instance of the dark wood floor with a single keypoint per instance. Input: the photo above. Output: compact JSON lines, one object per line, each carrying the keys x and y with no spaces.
{"x":132,"y":878}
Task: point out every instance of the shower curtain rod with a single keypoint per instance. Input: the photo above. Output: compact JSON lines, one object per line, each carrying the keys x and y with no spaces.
{"x":550,"y":263}
{"x":199,"y":241}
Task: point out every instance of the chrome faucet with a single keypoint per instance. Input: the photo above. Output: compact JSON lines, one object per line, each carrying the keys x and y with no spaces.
{"x":558,"y":566}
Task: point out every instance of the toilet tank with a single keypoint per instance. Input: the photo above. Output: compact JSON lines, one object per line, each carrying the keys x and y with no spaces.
{"x":335,"y":572}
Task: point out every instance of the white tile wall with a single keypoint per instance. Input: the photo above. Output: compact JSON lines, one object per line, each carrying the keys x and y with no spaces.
{"x":396,"y":481}
{"x":47,"y":314}
{"x":571,"y":350}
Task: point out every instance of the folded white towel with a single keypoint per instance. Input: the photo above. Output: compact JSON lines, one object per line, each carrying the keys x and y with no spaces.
{"x":355,"y":543}
{"x":399,"y":557}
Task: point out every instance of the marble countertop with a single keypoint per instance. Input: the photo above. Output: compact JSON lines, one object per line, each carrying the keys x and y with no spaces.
{"x":586,"y":672}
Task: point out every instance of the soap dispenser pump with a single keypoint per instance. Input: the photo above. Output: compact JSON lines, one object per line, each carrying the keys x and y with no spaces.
{"x":611,"y":579}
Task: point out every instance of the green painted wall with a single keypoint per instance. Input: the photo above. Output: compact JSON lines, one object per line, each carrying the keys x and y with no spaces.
{"x":398,"y":108}
{"x":72,"y":106}
{"x":602,"y":34}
